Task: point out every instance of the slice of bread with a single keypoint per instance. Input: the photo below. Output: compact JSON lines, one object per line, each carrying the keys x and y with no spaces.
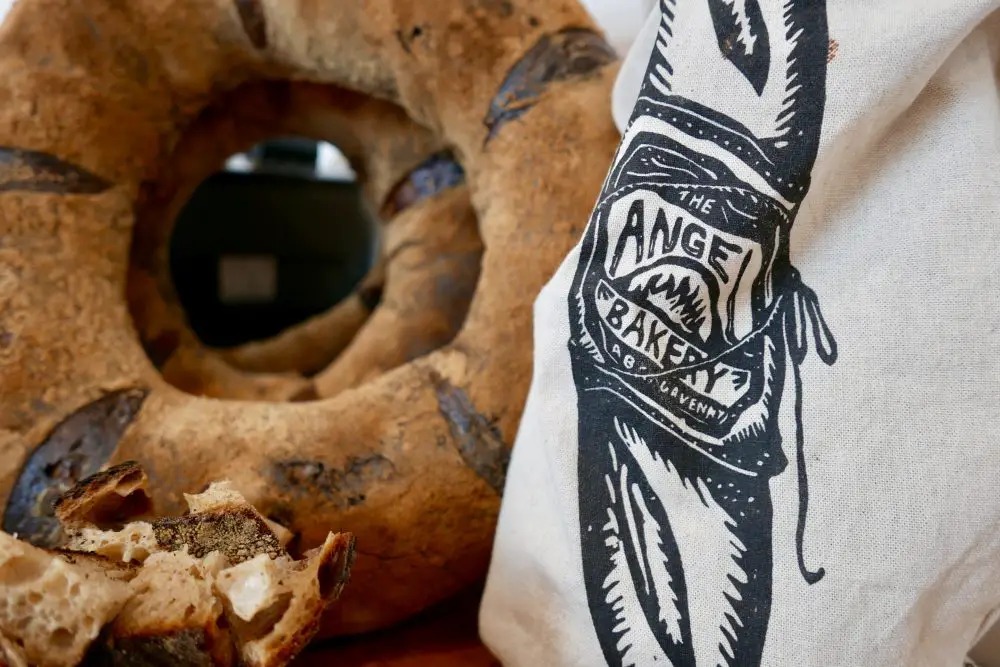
{"x":217,"y":495}
{"x":220,"y":519}
{"x":107,"y":499}
{"x":52,"y":607}
{"x":274,"y":606}
{"x":212,"y":588}
{"x":173,"y":616}
{"x":132,"y":544}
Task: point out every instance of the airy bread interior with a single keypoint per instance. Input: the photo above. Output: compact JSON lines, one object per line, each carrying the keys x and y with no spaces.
{"x":213,"y":587}
{"x":132,"y":544}
{"x":52,"y":607}
{"x":173,"y":597}
{"x":274,"y":606}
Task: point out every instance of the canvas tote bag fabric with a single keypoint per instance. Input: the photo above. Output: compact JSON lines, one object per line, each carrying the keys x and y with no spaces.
{"x":764,"y":419}
{"x":621,"y":22}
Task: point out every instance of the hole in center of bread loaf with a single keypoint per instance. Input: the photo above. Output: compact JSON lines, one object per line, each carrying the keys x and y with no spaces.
{"x":246,"y":231}
{"x":267,"y":265}
{"x":278,"y":236}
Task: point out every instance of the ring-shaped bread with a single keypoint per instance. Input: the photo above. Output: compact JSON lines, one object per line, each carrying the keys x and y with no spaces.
{"x":96,"y":94}
{"x":417,"y":294}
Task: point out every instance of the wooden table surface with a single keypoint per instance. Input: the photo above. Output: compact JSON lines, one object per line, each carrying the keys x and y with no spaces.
{"x":446,"y":636}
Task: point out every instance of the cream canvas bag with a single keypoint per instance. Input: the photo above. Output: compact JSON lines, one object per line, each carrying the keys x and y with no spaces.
{"x":763,"y":425}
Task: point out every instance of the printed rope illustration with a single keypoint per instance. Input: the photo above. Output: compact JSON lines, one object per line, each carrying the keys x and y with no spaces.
{"x":683,"y":311}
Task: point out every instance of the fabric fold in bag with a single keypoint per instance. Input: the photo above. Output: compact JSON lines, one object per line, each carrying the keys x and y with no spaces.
{"x":763,"y":423}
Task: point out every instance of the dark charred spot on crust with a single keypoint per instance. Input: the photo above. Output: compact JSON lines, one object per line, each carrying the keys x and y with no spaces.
{"x":6,"y":338}
{"x":160,"y":349}
{"x":75,"y":449}
{"x":254,"y":24}
{"x":568,"y":54}
{"x":406,"y":39}
{"x":479,"y":441}
{"x":33,"y":171}
{"x":239,"y":532}
{"x":183,"y":648}
{"x":344,"y":488}
{"x":438,"y":173}
{"x":371,"y":296}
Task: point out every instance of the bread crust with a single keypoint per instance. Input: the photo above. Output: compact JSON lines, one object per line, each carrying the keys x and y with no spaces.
{"x":238,"y":532}
{"x":106,"y":499}
{"x":410,"y":461}
{"x":186,"y":647}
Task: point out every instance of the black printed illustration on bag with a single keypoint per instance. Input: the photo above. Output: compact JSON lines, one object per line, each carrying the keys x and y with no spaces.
{"x":683,"y":312}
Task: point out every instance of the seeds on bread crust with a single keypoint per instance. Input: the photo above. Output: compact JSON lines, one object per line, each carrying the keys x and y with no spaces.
{"x":238,"y":532}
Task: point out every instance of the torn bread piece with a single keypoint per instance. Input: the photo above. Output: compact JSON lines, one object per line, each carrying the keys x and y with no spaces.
{"x":115,"y":570}
{"x":217,"y":495}
{"x":11,"y":653}
{"x":173,"y":616}
{"x":220,"y":519}
{"x":132,"y":544}
{"x":106,"y":499}
{"x":274,"y":606}
{"x":51,"y":607}
{"x":212,"y":588}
